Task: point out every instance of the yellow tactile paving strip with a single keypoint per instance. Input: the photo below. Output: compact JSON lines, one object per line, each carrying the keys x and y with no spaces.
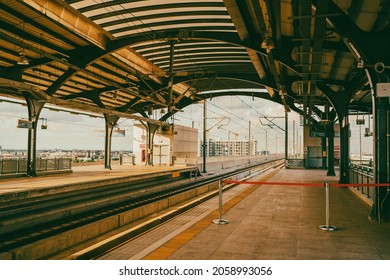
{"x":166,"y":250}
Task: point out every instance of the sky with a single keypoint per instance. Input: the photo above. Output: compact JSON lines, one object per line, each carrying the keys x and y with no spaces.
{"x":226,"y":117}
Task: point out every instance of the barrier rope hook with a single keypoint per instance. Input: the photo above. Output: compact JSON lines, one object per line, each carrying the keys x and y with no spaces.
{"x":327,"y":226}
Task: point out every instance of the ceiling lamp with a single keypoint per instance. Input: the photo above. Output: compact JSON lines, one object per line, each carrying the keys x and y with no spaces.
{"x":267,"y":44}
{"x":22,"y":59}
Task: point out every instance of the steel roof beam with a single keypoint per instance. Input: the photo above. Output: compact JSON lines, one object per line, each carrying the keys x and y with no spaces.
{"x":248,"y":19}
{"x":80,"y":69}
{"x":71,"y":19}
{"x":382,"y":20}
{"x":363,"y":41}
{"x":36,"y":24}
{"x":319,"y":31}
{"x":231,"y":38}
{"x":27,"y":37}
{"x":39,"y":95}
{"x":254,"y":79}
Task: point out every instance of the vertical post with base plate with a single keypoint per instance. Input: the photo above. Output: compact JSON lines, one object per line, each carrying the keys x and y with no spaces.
{"x":327,"y":227}
{"x":220,"y":220}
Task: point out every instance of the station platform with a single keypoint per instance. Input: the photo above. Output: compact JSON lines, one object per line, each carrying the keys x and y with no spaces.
{"x":81,"y":177}
{"x":269,"y":222}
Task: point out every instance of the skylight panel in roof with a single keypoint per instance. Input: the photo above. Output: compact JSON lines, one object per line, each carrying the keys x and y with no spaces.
{"x":185,"y":53}
{"x":142,"y":4}
{"x":198,"y":52}
{"x":162,"y":21}
{"x":210,"y":62}
{"x":152,"y":44}
{"x":177,"y":26}
{"x":208,"y":59}
{"x":160,"y":12}
{"x":87,"y":3}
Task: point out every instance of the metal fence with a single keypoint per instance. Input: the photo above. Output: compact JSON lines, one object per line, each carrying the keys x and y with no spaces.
{"x":295,"y":163}
{"x":19,"y":165}
{"x":362,"y":174}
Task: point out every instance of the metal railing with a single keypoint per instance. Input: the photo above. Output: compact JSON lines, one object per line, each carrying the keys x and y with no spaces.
{"x":295,"y":163}
{"x":19,"y":165}
{"x":362,"y":174}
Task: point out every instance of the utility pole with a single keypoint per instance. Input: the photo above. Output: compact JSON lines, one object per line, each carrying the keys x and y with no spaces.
{"x":204,"y":135}
{"x":286,"y":137}
{"x":297,"y":143}
{"x":293,"y":147}
{"x":249,"y":143}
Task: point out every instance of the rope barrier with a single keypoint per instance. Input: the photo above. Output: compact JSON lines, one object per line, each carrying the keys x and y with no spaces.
{"x":361,"y":185}
{"x":327,"y":186}
{"x":314,"y":184}
{"x":273,"y":183}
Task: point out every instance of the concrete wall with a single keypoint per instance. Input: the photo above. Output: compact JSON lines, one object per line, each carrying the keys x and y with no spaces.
{"x":214,"y":164}
{"x":185,"y":142}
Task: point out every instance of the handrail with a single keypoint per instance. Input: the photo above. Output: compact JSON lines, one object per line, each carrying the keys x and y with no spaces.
{"x":362,"y":174}
{"x":362,"y":169}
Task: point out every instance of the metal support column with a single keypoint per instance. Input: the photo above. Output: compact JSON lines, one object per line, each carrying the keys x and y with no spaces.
{"x":380,"y":210}
{"x":249,"y":143}
{"x":382,"y":150}
{"x":204,"y":146}
{"x":286,"y":137}
{"x":344,"y":150}
{"x":323,"y":152}
{"x":341,"y":103}
{"x":330,"y":154}
{"x":111,"y":121}
{"x":293,"y":145}
{"x":151,"y":131}
{"x":34,"y":110}
{"x":170,"y":82}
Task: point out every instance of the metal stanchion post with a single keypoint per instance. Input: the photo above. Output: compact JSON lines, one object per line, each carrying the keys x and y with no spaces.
{"x":327,"y":210}
{"x":220,"y":221}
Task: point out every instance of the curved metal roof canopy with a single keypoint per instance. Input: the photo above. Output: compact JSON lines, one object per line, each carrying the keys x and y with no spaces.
{"x":128,"y":57}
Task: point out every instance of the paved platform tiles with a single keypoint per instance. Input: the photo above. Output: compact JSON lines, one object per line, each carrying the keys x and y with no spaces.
{"x":269,"y":222}
{"x":80,"y":174}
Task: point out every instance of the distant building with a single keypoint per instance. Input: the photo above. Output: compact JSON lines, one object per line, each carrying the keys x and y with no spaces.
{"x":176,"y":145}
{"x":217,"y":148}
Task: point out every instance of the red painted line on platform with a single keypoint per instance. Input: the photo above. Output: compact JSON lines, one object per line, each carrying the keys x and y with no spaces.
{"x":305,"y":184}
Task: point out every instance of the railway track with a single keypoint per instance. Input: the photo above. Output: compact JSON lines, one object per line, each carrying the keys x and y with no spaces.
{"x":50,"y":216}
{"x":21,"y":224}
